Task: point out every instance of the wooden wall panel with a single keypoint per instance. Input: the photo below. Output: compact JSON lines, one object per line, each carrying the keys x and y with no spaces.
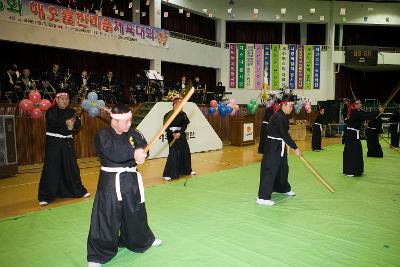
{"x":30,"y":134}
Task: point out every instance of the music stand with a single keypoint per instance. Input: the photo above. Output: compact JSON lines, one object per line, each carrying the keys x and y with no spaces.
{"x":153,"y":75}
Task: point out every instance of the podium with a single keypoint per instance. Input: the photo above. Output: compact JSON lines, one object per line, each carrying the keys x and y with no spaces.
{"x":8,"y":148}
{"x":242,"y":131}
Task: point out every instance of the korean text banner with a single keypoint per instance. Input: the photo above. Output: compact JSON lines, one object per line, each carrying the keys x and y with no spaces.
{"x":60,"y":18}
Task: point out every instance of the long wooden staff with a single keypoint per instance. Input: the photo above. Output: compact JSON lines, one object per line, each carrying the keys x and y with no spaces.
{"x":394,"y":92}
{"x":387,"y":142}
{"x":170,"y":119}
{"x":319,"y":176}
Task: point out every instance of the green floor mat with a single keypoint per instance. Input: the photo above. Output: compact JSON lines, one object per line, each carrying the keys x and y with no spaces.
{"x":214,"y":221}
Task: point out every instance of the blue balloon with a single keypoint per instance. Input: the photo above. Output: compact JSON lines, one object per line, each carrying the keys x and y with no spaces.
{"x":220,"y":106}
{"x":101,"y":103}
{"x":93,"y":112}
{"x":229,"y":109}
{"x":211,"y":110}
{"x":86,"y":104}
{"x":222,"y":111}
{"x":92,"y":96}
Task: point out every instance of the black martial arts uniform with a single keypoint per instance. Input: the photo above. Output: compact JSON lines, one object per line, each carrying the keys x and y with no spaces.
{"x":394,"y":129}
{"x":264,"y":126}
{"x":353,"y":162}
{"x":374,"y":129}
{"x":119,"y":217}
{"x":274,"y":166}
{"x":60,"y":174}
{"x":317,"y":131}
{"x":179,"y":161}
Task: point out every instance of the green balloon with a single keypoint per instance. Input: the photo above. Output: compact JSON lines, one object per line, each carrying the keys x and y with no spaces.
{"x":253,"y":101}
{"x":249,"y":106}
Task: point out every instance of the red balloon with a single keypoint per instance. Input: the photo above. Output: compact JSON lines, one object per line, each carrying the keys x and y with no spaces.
{"x":26,"y":105}
{"x":213,"y":103}
{"x":36,"y":113}
{"x":44,"y":104}
{"x":34,"y":96}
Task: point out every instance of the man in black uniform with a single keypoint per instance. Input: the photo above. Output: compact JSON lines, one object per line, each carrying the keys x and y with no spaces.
{"x":119,"y":217}
{"x":179,"y":158}
{"x":374,"y":129}
{"x":274,"y":166}
{"x":60,"y":174}
{"x":394,"y":129}
{"x":353,"y":162}
{"x":317,"y":130}
{"x":264,"y":127}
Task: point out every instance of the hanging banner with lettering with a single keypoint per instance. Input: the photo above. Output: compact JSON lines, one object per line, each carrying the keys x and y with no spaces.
{"x":249,"y":73}
{"x":275,"y":67}
{"x":292,"y":66}
{"x":284,"y":63}
{"x":267,"y":62}
{"x":57,"y":18}
{"x":241,"y":57}
{"x":317,"y":66}
{"x":300,"y":67}
{"x":258,"y":66}
{"x":289,"y":66}
{"x":232,"y":65}
{"x":308,"y":61}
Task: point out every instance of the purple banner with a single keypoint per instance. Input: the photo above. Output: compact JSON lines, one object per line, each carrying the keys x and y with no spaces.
{"x":232,"y":65}
{"x":317,"y":65}
{"x":300,"y":67}
{"x":292,"y":66}
{"x":267,"y":61}
{"x":258,"y":73}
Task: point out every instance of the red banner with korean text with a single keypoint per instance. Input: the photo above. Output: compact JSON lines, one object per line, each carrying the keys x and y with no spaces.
{"x":60,"y":18}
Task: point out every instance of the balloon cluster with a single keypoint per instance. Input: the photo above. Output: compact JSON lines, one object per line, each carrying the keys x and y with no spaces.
{"x":230,"y":107}
{"x":92,"y":104}
{"x":300,"y":104}
{"x":34,"y":104}
{"x":252,"y":106}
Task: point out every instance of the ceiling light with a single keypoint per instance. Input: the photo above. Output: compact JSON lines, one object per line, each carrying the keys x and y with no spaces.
{"x":283,"y":11}
{"x":312,"y":10}
{"x":343,"y":11}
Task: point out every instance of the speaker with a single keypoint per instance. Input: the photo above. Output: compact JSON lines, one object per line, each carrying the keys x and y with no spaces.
{"x":331,"y":110}
{"x":8,"y":148}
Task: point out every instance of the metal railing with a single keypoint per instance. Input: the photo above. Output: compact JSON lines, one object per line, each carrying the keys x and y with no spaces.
{"x":194,"y":39}
{"x":380,"y":49}
{"x":191,"y":38}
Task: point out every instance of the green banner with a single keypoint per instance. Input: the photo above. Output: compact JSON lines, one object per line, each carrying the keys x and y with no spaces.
{"x":241,"y":61}
{"x":308,"y":63}
{"x":275,"y":67}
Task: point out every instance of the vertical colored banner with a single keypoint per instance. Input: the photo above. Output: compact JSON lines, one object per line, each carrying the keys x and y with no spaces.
{"x":249,"y":72}
{"x":292,"y":66}
{"x":240,"y":65}
{"x":308,"y":66}
{"x":267,"y":62}
{"x":275,"y":66}
{"x":232,"y":65}
{"x":317,"y":66}
{"x":300,"y":67}
{"x":284,"y":63}
{"x":258,"y":68}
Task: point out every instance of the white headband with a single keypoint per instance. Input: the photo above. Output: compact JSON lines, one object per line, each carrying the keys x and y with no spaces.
{"x":123,"y":116}
{"x":62,"y":94}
